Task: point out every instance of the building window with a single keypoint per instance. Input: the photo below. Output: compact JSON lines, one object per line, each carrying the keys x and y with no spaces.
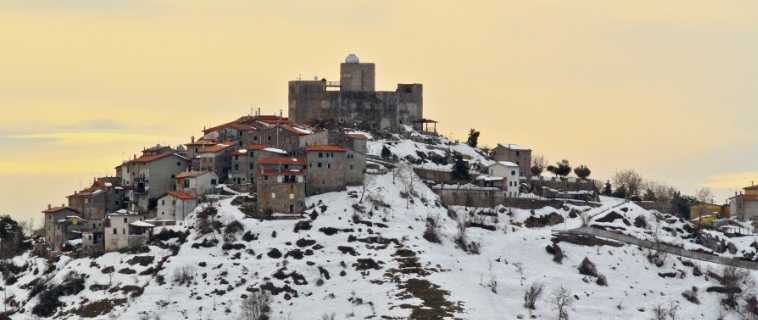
{"x":320,"y":155}
{"x":255,"y":138}
{"x":115,"y":231}
{"x":123,"y":230}
{"x":178,"y":163}
{"x":163,"y":202}
{"x":124,"y":220}
{"x":236,"y":166}
{"x":319,"y":164}
{"x":213,"y":182}
{"x":351,"y":167}
{"x":513,"y":172}
{"x":251,"y":166}
{"x":269,"y":138}
{"x":328,"y":165}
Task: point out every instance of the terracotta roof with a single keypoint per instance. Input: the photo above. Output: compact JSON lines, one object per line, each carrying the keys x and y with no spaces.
{"x":300,"y":130}
{"x":146,"y":159}
{"x":242,"y":127}
{"x":750,"y":197}
{"x":239,"y":152}
{"x":256,"y":147}
{"x":59,"y":209}
{"x":216,"y":148}
{"x":357,"y":136}
{"x":281,"y":160}
{"x":751,"y":188}
{"x":189,"y":174}
{"x":282,"y":172}
{"x":181,"y":195}
{"x":201,"y":142}
{"x":325,"y":148}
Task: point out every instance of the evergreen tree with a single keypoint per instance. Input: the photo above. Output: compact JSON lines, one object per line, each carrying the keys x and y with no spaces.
{"x":473,"y":138}
{"x":607,"y":189}
{"x":460,"y":169}
{"x":386,"y":153}
{"x":560,"y":169}
{"x":649,"y":195}
{"x":582,"y":171}
{"x":620,"y":192}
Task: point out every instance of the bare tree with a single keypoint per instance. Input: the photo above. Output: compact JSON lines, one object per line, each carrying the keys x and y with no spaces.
{"x":735,"y":281}
{"x":704,"y":196}
{"x":256,"y":306}
{"x":561,"y":301}
{"x":367,"y":186}
{"x":539,"y":163}
{"x":630,"y":180}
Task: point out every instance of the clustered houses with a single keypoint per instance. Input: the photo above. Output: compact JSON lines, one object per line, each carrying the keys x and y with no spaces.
{"x":280,"y":159}
{"x":745,"y":205}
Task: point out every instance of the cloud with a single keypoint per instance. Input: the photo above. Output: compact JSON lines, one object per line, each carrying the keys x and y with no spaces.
{"x":91,"y":137}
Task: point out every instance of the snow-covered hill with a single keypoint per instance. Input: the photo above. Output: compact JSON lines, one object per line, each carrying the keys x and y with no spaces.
{"x":364,"y":254}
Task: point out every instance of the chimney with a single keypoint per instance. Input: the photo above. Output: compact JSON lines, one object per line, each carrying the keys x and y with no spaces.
{"x":193,"y":139}
{"x":135,"y":156}
{"x":49,"y":206}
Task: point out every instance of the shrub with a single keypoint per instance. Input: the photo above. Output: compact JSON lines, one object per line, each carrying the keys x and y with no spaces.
{"x":432,"y":227}
{"x":256,"y":306}
{"x":587,"y":268}
{"x":233,"y":227}
{"x":49,"y":298}
{"x":691,"y":295}
{"x":532,"y":294}
{"x":184,"y":274}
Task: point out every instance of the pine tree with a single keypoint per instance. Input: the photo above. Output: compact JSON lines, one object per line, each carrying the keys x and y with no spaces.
{"x":460,"y":169}
{"x":473,"y":138}
{"x":607,"y":189}
{"x":386,"y":153}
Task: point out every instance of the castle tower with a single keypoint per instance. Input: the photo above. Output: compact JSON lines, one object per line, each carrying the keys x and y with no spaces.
{"x":356,"y":76}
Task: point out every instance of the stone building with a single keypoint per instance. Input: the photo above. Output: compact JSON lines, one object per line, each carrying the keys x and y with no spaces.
{"x":355,"y":102}
{"x":244,"y":163}
{"x":196,"y":183}
{"x":103,"y":196}
{"x":175,"y":205}
{"x":745,"y":206}
{"x":124,"y":229}
{"x":60,"y":224}
{"x":149,"y":177}
{"x":218,"y":159}
{"x":326,"y":169}
{"x":281,"y":184}
{"x":517,"y":154}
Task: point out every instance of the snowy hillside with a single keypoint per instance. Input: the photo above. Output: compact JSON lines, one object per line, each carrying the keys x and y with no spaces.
{"x":366,"y":253}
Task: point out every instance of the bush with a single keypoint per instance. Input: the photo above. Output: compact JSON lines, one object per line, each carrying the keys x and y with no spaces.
{"x":184,"y":274}
{"x":691,"y":295}
{"x":233,"y":227}
{"x":256,"y":306}
{"x":532,"y":294}
{"x":587,"y":268}
{"x":49,"y":298}
{"x":432,"y":227}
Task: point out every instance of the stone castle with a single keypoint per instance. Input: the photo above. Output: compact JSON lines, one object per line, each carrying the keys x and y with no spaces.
{"x":354,"y":101}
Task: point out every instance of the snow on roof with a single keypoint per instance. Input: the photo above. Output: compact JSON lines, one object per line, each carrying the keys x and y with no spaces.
{"x":123,"y":212}
{"x":142,"y":224}
{"x":275,"y":150}
{"x":489,"y":178}
{"x":504,"y":163}
{"x":513,"y":146}
{"x":108,"y":184}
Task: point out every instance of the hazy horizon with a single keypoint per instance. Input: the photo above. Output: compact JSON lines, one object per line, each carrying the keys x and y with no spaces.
{"x":666,"y":89}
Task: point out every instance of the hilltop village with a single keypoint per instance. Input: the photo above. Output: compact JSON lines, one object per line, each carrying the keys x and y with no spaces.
{"x":320,"y":147}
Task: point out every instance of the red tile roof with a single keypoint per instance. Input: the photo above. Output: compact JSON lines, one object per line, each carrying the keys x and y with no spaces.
{"x":751,"y":188}
{"x":257,"y":147}
{"x":239,"y":152}
{"x":357,"y":136}
{"x":201,"y":143}
{"x":146,"y":159}
{"x":218,"y":147}
{"x":281,"y":160}
{"x":750,"y":197}
{"x":325,"y":148}
{"x":59,"y":209}
{"x":189,"y":174}
{"x":181,"y":195}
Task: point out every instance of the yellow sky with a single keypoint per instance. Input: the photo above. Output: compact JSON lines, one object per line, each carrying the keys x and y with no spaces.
{"x":667,"y":88}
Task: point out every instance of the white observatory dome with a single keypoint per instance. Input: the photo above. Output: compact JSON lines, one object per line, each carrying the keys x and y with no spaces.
{"x":352,"y":58}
